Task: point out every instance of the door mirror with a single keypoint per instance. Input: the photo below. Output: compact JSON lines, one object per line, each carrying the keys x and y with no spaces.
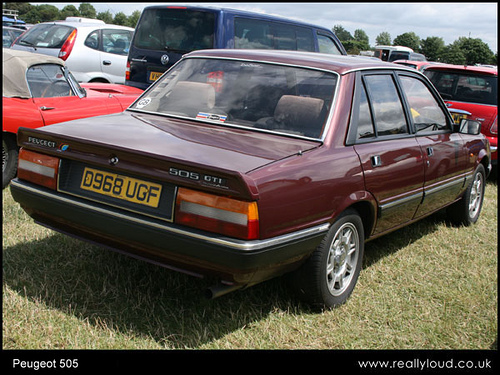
{"x":470,"y":127}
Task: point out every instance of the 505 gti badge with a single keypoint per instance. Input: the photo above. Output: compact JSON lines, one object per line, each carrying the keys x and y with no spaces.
{"x":195,"y":176}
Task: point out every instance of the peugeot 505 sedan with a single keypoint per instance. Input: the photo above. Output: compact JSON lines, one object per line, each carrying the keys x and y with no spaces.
{"x":245,"y":165}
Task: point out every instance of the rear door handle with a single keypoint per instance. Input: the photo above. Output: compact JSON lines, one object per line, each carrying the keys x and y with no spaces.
{"x":430,"y":151}
{"x":43,"y":108}
{"x":106,"y":62}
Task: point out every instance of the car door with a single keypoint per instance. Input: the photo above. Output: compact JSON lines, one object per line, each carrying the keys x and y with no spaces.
{"x":444,"y":158}
{"x":55,"y":98}
{"x":115,"y":47}
{"x":390,"y":156}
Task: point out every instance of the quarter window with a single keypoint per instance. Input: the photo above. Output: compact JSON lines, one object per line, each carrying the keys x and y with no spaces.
{"x":327,"y":45}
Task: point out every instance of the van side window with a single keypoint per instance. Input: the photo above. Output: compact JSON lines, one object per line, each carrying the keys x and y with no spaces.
{"x":255,"y":34}
{"x":327,"y":45}
{"x":251,"y":34}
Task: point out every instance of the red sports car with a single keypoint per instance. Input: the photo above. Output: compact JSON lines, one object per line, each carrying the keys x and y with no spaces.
{"x":473,"y":89}
{"x":38,"y":90}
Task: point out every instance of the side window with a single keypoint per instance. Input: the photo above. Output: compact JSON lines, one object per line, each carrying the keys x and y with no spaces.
{"x":284,"y":37}
{"x":92,"y":40}
{"x":327,"y":45}
{"x":252,"y":34}
{"x":48,"y":81}
{"x":116,"y":41}
{"x":387,"y":108}
{"x":305,"y":41}
{"x":425,"y":111}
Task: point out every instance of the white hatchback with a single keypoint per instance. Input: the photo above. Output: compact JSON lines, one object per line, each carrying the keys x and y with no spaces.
{"x":93,"y":50}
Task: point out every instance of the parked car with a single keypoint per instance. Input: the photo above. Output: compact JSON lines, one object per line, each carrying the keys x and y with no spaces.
{"x":473,"y":89}
{"x":242,"y":165}
{"x":39,"y":90}
{"x":9,"y":35}
{"x":164,"y":33}
{"x":93,"y":50}
{"x":419,"y":65}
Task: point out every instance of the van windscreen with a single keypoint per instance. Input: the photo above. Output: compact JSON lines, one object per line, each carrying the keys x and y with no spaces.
{"x":173,"y":29}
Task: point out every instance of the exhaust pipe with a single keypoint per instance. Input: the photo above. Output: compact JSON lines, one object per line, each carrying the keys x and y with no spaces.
{"x":220,"y":289}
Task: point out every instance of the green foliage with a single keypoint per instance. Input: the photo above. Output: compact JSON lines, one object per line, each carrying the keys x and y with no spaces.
{"x":409,"y":39}
{"x":383,"y":39}
{"x":432,"y":47}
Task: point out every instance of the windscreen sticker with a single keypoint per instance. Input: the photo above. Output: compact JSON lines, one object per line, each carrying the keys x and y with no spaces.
{"x":143,"y":102}
{"x":211,"y":117}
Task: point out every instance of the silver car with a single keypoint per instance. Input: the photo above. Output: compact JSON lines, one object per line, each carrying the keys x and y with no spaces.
{"x":93,"y":50}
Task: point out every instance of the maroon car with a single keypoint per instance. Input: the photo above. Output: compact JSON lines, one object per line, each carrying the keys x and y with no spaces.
{"x":245,"y":165}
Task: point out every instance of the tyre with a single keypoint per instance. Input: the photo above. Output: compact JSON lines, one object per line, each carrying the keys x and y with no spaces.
{"x":466,"y":211}
{"x":9,"y":159}
{"x":329,"y":276}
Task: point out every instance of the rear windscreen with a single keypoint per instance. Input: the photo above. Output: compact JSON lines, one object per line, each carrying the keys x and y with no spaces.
{"x":45,"y":36}
{"x":465,"y":87}
{"x":181,"y":30}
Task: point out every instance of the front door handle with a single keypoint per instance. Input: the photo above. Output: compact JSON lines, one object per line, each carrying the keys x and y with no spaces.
{"x":106,"y":62}
{"x":430,"y":151}
{"x":376,"y":161}
{"x":43,"y":108}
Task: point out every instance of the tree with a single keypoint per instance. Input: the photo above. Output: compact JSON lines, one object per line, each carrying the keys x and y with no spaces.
{"x":383,"y":39}
{"x":409,"y":39}
{"x":452,"y":54}
{"x":475,"y":51}
{"x":133,"y":18}
{"x":120,"y":19}
{"x":362,"y":40}
{"x":69,"y":11}
{"x":106,"y":16}
{"x":432,"y":47}
{"x":342,"y":33}
{"x":46,"y":12}
{"x":87,"y":10}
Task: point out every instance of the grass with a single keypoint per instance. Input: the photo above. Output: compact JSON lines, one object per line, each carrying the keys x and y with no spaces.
{"x":427,"y":286}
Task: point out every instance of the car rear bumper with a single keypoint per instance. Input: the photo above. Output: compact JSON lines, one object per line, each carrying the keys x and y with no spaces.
{"x":198,"y":253}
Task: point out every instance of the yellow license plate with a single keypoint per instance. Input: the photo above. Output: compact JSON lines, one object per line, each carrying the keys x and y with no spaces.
{"x":121,"y":187}
{"x":153,"y":76}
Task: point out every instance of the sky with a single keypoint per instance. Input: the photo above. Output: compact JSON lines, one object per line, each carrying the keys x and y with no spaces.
{"x":445,"y":20}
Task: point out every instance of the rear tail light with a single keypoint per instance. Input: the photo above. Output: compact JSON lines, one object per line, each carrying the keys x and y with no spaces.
{"x":38,"y":168}
{"x":67,"y":46}
{"x":127,"y":71}
{"x":494,"y":127}
{"x":213,"y":213}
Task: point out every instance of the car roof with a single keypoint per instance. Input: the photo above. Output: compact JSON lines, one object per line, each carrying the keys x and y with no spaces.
{"x":336,"y":63}
{"x":86,"y":22}
{"x":464,"y":68}
{"x":15,"y":64}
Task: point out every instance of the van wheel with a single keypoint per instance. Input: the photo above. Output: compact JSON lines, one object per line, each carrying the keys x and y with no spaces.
{"x":466,"y":211}
{"x":9,"y":159}
{"x":329,"y":276}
